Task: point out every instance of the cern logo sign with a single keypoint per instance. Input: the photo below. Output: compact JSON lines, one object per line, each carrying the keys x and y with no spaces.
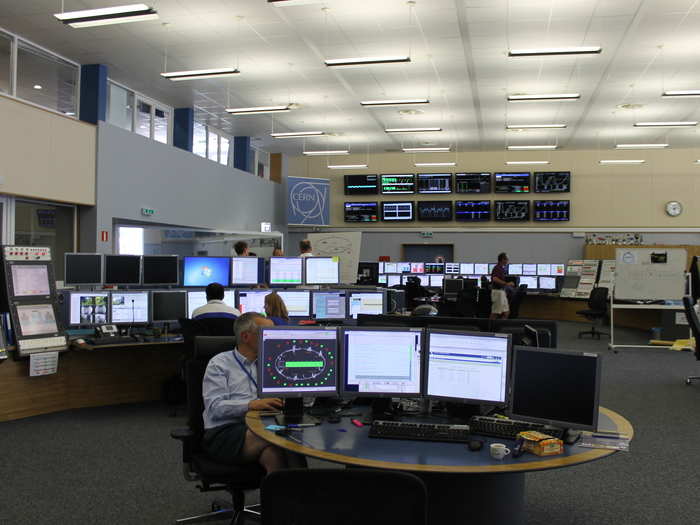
{"x":308,"y":201}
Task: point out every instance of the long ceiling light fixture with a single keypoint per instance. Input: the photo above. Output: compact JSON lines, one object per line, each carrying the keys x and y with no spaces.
{"x":411,"y":130}
{"x":296,"y":134}
{"x":120,"y":14}
{"x":398,"y":102}
{"x":258,"y":110}
{"x":196,"y":74}
{"x":327,"y":152}
{"x":535,"y":126}
{"x":641,"y":146}
{"x":289,"y":3}
{"x":347,"y":166}
{"x":533,"y":147}
{"x":670,"y":124}
{"x":689,"y":93}
{"x":427,"y":149}
{"x":525,"y":162}
{"x":554,"y":51}
{"x":366,"y":61}
{"x":433,"y":164}
{"x":552,"y":97}
{"x":614,"y":162}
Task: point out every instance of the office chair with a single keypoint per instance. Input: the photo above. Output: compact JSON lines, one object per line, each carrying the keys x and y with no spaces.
{"x":516,"y":301}
{"x":597,"y":309}
{"x":694,"y":324}
{"x":467,"y":301}
{"x":483,"y":305}
{"x":207,"y":346}
{"x":197,"y":465}
{"x":343,"y":497}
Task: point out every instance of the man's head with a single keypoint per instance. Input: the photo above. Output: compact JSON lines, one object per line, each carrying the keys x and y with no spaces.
{"x":277,"y":252}
{"x":502,"y":258}
{"x":305,"y":246}
{"x":241,"y":248}
{"x":214,"y":291}
{"x":247,"y":329}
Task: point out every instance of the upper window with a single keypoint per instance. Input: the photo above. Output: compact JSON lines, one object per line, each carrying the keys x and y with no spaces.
{"x":211,"y":144}
{"x":5,"y":64}
{"x":199,"y":141}
{"x":120,"y":106}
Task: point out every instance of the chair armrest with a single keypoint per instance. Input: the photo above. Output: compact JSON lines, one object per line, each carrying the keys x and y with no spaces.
{"x":189,"y":442}
{"x":181,"y":434}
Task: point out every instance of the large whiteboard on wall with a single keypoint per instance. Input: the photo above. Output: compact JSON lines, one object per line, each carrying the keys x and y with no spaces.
{"x":642,"y":274}
{"x":345,"y":245}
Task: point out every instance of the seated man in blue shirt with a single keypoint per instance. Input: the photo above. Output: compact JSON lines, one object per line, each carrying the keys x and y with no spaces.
{"x":229,"y":390}
{"x":215,"y":307}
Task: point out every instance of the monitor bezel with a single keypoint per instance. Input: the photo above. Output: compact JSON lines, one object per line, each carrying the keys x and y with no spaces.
{"x":143,"y":270}
{"x":108,"y":320}
{"x":345,"y":216}
{"x":12,"y":293}
{"x":17,"y":326}
{"x":352,"y":292}
{"x":283,"y":285}
{"x":306,"y":273}
{"x":183,"y":267}
{"x":260,"y":272}
{"x":152,"y":304}
{"x":130,"y":292}
{"x":313,"y":304}
{"x":65,"y":268}
{"x":104,"y":274}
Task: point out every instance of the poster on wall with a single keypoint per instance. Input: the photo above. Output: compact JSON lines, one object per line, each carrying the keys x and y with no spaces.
{"x":345,"y":245}
{"x":309,"y":201}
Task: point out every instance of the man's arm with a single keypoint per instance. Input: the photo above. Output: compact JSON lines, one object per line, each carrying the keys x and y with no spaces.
{"x":500,"y":281}
{"x":222,"y":404}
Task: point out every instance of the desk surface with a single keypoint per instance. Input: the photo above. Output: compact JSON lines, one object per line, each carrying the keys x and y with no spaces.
{"x":346,"y":444}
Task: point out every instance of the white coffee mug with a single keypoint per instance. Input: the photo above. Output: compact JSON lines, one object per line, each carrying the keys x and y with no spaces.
{"x":499,"y":450}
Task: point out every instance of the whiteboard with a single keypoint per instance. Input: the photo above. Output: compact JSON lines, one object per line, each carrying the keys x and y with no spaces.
{"x":637,"y":277}
{"x":345,"y":245}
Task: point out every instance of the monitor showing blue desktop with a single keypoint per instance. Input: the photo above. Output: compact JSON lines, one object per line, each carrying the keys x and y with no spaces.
{"x":200,"y":271}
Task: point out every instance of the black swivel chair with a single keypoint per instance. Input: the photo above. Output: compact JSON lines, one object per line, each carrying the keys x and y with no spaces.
{"x":343,"y":497}
{"x":483,"y":305}
{"x":597,"y":310}
{"x":197,"y":465}
{"x":694,"y":324}
{"x":516,"y":301}
{"x":467,"y":301}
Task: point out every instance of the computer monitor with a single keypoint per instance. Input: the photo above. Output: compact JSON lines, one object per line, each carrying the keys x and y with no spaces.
{"x":467,"y":367}
{"x":247,"y":270}
{"x":371,"y":303}
{"x":381,"y":362}
{"x":201,"y":271}
{"x":556,"y":388}
{"x":403,"y":267}
{"x":298,"y":302}
{"x":286,"y":271}
{"x":417,"y":267}
{"x":434,"y":210}
{"x":512,"y":182}
{"x":435,"y":183}
{"x":481,"y":268}
{"x":381,"y":278}
{"x":398,"y":211}
{"x":83,"y":268}
{"x":168,"y":306}
{"x":544,"y":269}
{"x":398,"y":183}
{"x":529,"y":269}
{"x":393,"y":280}
{"x":452,"y":286}
{"x":466,"y":268}
{"x":434,"y":267}
{"x":29,"y":280}
{"x":329,"y":304}
{"x":129,"y":307}
{"x":452,"y":268}
{"x":390,"y":267}
{"x":361,"y":184}
{"x":530,"y":280}
{"x":252,"y":300}
{"x":558,"y":269}
{"x":515,"y":269}
{"x":322,"y":270}
{"x":547,"y":283}
{"x":361,"y":211}
{"x":35,"y":319}
{"x":436,"y":281}
{"x":161,"y":269}
{"x":88,"y":308}
{"x":122,"y":269}
{"x":491,"y":267}
{"x":197,"y":298}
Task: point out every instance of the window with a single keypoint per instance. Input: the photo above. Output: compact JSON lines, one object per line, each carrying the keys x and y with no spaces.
{"x":160,"y":125}
{"x":120,"y":107}
{"x":46,"y":79}
{"x":213,"y":146}
{"x":199,"y":142}
{"x":5,"y":63}
{"x":143,"y":119}
{"x":223,"y":150}
{"x":130,"y":240}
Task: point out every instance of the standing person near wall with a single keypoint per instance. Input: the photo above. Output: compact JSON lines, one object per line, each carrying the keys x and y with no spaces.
{"x":305,"y":248}
{"x":499,"y":299}
{"x":241,"y":248}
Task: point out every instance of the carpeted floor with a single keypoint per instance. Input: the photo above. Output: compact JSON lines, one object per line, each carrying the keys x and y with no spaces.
{"x":118,"y":465}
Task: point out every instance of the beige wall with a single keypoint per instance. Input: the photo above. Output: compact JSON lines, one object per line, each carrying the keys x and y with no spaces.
{"x":45,"y":155}
{"x":601,"y":196}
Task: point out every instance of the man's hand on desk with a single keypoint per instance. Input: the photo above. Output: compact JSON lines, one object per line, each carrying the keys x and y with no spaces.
{"x":269,"y":403}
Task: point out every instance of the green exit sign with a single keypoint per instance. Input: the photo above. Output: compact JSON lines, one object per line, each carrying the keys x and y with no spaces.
{"x":148,"y":212}
{"x":426,"y":235}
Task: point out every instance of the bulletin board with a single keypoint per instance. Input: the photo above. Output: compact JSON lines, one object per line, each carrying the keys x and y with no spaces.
{"x":649,"y":273}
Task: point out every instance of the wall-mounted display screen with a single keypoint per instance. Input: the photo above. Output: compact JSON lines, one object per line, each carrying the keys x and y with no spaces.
{"x":472,"y":210}
{"x":472,"y":183}
{"x":434,"y":211}
{"x":397,"y":211}
{"x":361,"y":212}
{"x":552,"y":211}
{"x":552,"y":181}
{"x":404,"y":183}
{"x":512,"y":182}
{"x":435,"y":267}
{"x":435,"y":183}
{"x":361,"y":184}
{"x":512,"y":210}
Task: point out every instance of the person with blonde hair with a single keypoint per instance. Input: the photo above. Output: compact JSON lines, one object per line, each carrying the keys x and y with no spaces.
{"x":276,"y":310}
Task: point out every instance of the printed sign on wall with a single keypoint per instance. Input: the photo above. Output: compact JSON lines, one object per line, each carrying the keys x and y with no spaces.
{"x":309,"y":201}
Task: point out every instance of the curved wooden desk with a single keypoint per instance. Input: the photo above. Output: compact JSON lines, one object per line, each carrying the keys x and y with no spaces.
{"x":463,"y":486}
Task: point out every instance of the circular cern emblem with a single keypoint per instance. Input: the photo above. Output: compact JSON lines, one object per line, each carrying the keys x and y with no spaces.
{"x":308,"y":201}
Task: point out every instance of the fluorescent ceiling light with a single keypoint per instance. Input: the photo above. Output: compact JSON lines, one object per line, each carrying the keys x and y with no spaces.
{"x":671,"y":124}
{"x":398,"y":102}
{"x":289,"y":3}
{"x":550,"y":51}
{"x":294,"y":134}
{"x":360,"y":61}
{"x":37,"y":86}
{"x":348,"y":166}
{"x":195,"y":74}
{"x":108,"y":15}
{"x":540,"y":146}
{"x":682,"y":93}
{"x":328,"y":152}
{"x":524,"y":162}
{"x":544,"y":97}
{"x":535,"y":126}
{"x":258,"y":110}
{"x":433,"y":164}
{"x":427,"y":149}
{"x":622,"y":161}
{"x":641,"y":146}
{"x":411,"y":130}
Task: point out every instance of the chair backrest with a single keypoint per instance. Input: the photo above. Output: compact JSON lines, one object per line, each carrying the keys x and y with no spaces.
{"x":466,"y":301}
{"x":517,"y":300}
{"x":693,"y":322}
{"x":194,"y":375}
{"x":343,"y":497}
{"x":598,"y":300}
{"x":207,"y":346}
{"x":483,"y":304}
{"x":217,"y":325}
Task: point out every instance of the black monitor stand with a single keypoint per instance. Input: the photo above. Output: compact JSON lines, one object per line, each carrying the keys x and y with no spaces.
{"x":293,"y":413}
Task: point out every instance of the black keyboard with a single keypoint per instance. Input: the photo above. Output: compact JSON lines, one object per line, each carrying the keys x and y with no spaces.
{"x":116,"y":340}
{"x":509,"y":428}
{"x":419,"y":431}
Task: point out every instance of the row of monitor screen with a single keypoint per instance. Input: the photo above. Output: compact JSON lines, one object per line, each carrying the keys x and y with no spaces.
{"x":464,"y":211}
{"x":439,"y":281}
{"x":144,"y":306}
{"x":431,"y":183}
{"x":95,"y":268}
{"x":460,"y":268}
{"x":479,"y":368}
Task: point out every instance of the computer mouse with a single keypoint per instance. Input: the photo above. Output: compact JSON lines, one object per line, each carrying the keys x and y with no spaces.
{"x":333,"y":418}
{"x":475,"y":444}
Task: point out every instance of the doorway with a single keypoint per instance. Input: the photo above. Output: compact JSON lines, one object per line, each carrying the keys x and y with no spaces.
{"x":427,"y":252}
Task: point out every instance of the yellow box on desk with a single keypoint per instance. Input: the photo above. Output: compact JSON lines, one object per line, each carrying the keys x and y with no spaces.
{"x":541,"y":444}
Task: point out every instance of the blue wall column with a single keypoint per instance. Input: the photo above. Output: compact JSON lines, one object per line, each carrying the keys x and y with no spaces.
{"x":93,"y":93}
{"x":183,"y":128}
{"x":242,"y":154}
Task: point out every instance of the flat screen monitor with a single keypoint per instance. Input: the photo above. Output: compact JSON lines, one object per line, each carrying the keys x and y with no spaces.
{"x":512,"y":210}
{"x":393,"y":280}
{"x":296,"y":362}
{"x":122,"y":269}
{"x":467,"y":367}
{"x":512,"y":182}
{"x":322,"y":270}
{"x":552,"y":211}
{"x":434,"y":183}
{"x":398,"y":183}
{"x":201,"y":271}
{"x":83,"y":268}
{"x":298,"y":302}
{"x":452,"y":267}
{"x":529,"y":269}
{"x":381,"y":278}
{"x":361,"y":212}
{"x":252,"y":300}
{"x":466,"y":268}
{"x":556,"y":388}
{"x":515,"y":269}
{"x":529,"y":280}
{"x":286,"y":271}
{"x":371,"y":303}
{"x":36,"y":319}
{"x":547,"y":283}
{"x":403,"y":267}
{"x":558,"y":269}
{"x":168,"y":306}
{"x":88,"y":308}
{"x":30,"y":280}
{"x":453,"y":286}
{"x":434,"y":267}
{"x":552,"y":181}
{"x":481,"y":268}
{"x":472,"y":183}
{"x":417,"y":267}
{"x":423,"y":279}
{"x":472,"y":211}
{"x":436,"y":281}
{"x":491,"y":267}
{"x":129,"y":307}
{"x":544,"y":269}
{"x":197,"y":298}
{"x":381,"y":362}
{"x":329,"y":304}
{"x":397,"y":211}
{"x":390,"y":267}
{"x":247,"y":270}
{"x":434,"y":210}
{"x":161,"y":269}
{"x":361,"y":184}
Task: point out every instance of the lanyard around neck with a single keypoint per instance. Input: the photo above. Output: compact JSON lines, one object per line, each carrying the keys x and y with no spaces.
{"x":245,"y":370}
